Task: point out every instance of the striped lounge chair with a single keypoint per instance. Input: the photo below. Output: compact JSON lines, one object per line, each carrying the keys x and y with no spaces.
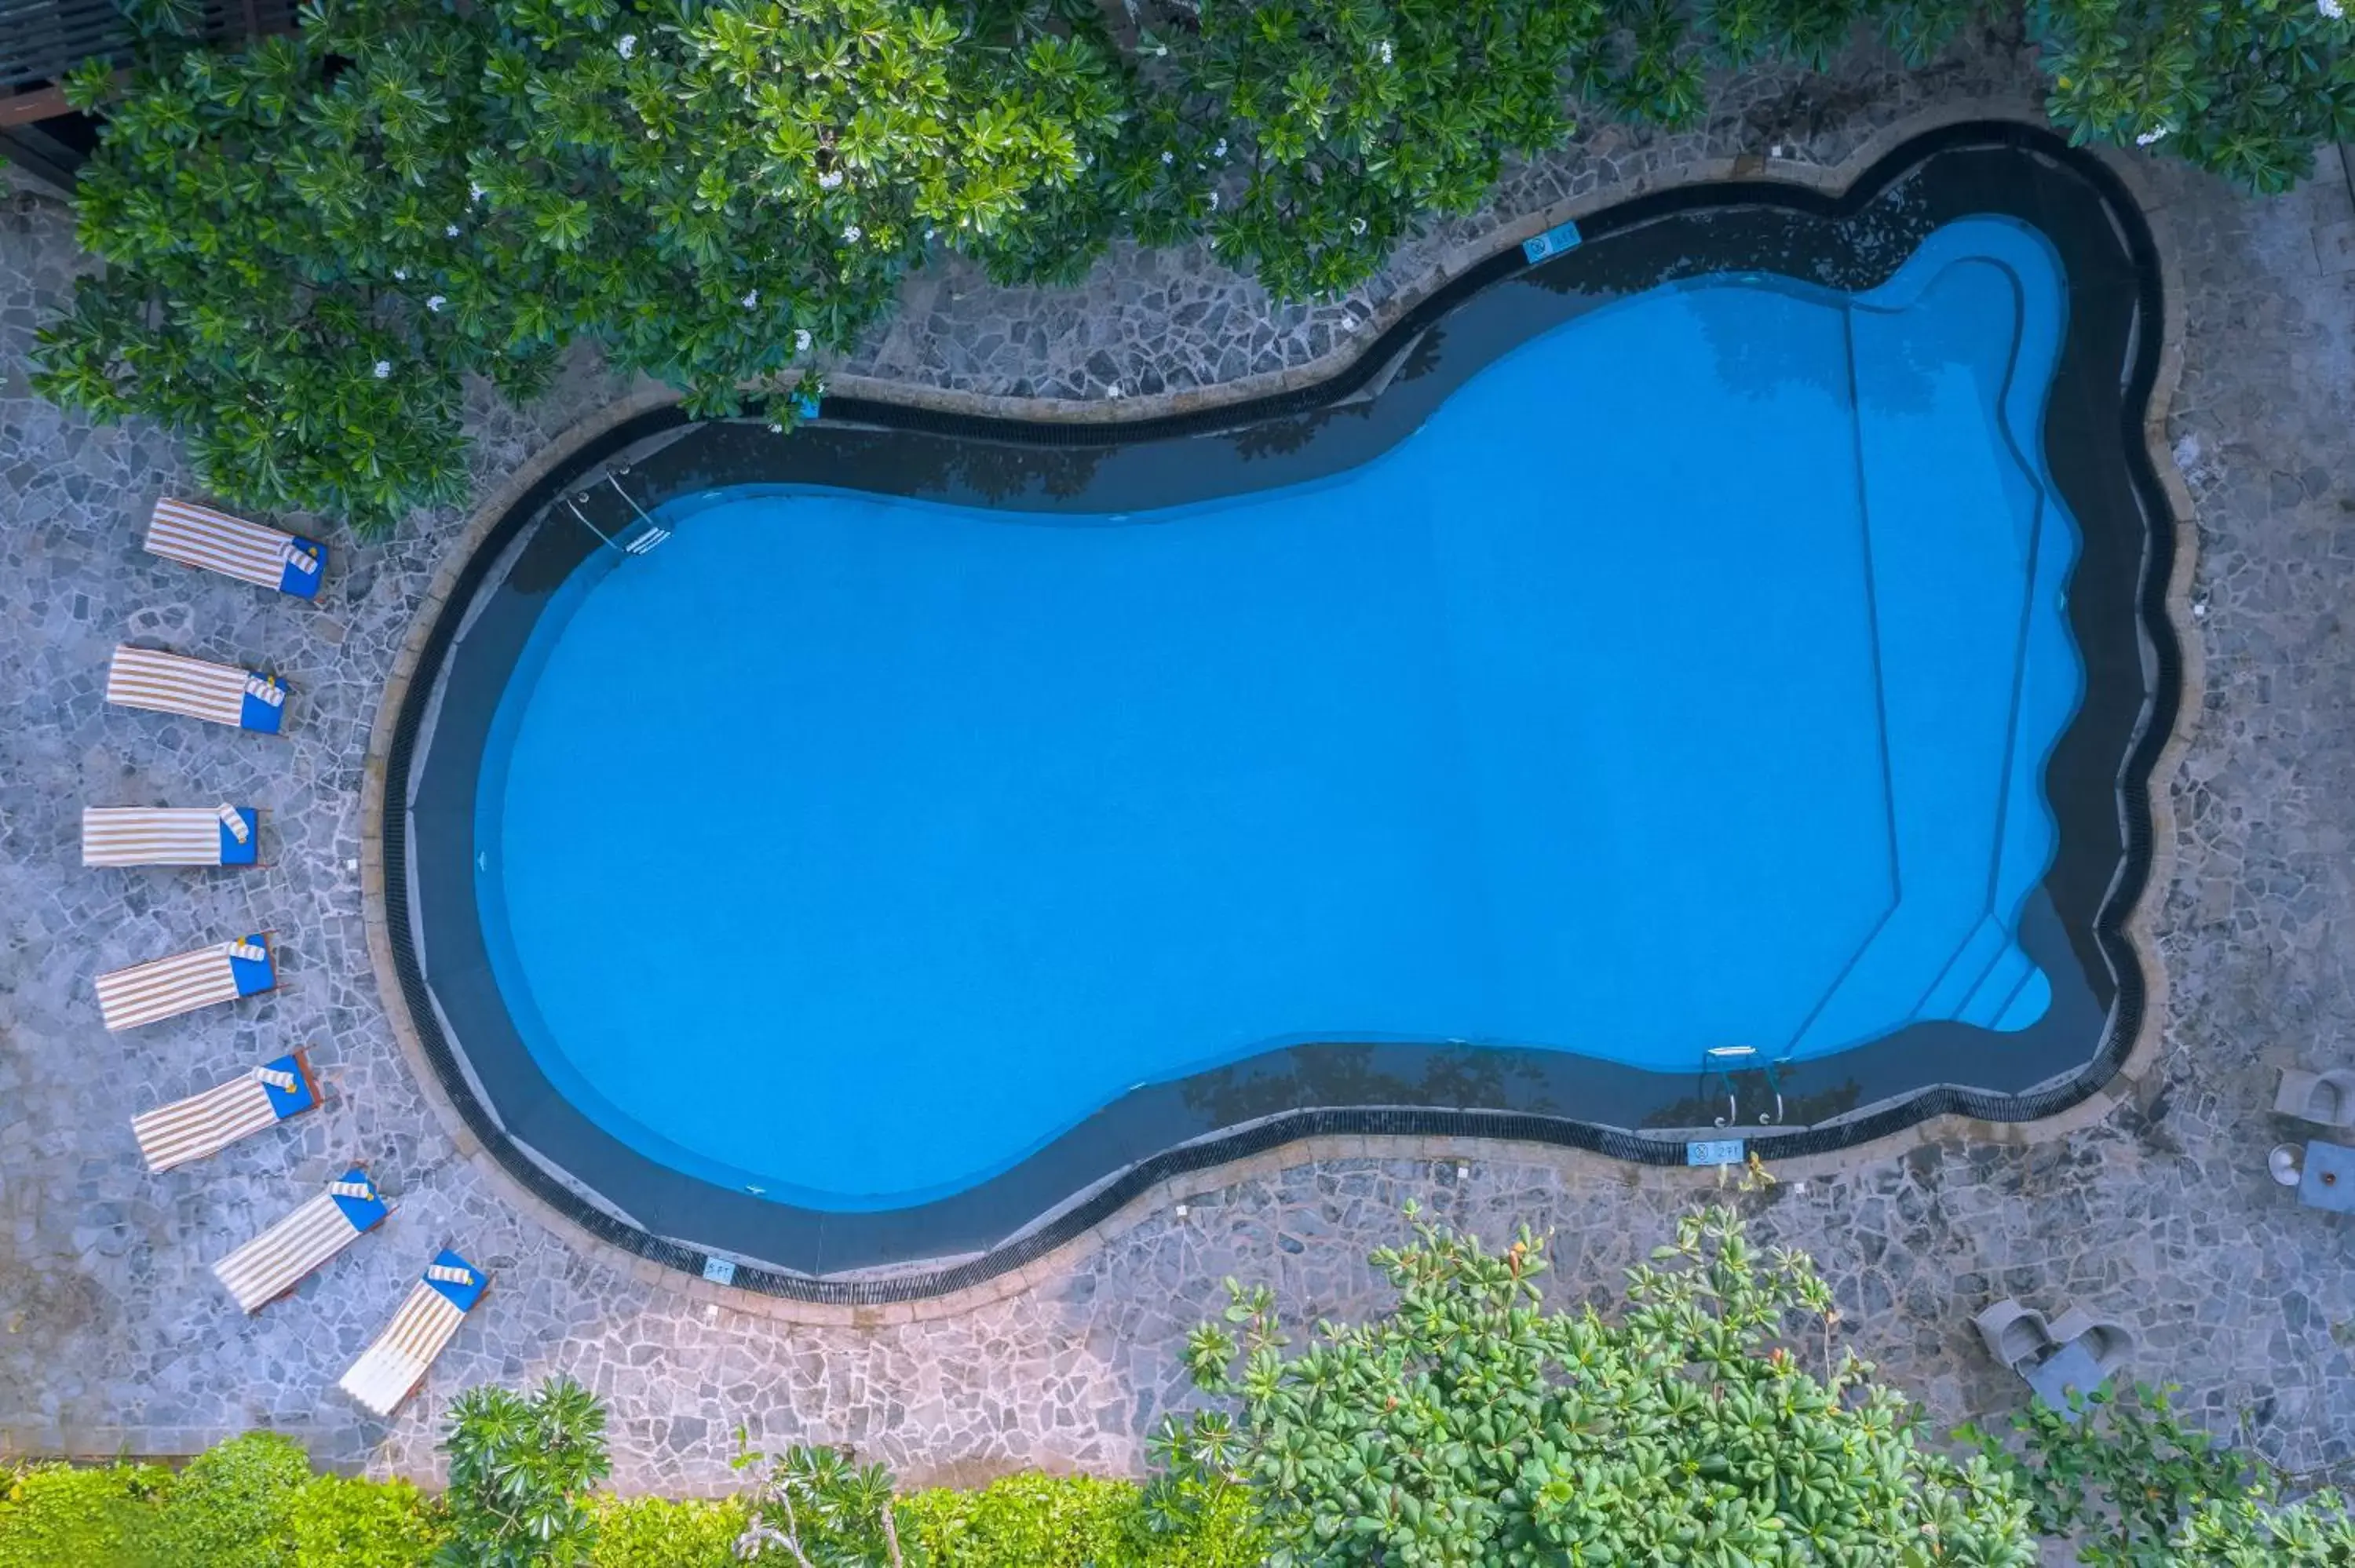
{"x":203,"y":1125}
{"x":199,"y":536}
{"x":165,"y":988}
{"x":390,"y":1370}
{"x":169,"y":835}
{"x":274,"y":1262}
{"x":218,"y":694}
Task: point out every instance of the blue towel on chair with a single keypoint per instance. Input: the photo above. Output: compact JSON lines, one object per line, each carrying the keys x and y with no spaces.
{"x":293,"y":578}
{"x":254,"y":976}
{"x":234,"y":853}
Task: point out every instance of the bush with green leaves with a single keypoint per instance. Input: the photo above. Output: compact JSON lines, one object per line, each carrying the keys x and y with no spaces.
{"x":1347,"y":123}
{"x":1714,"y":1420}
{"x":342,"y":1522}
{"x":521,"y":1471}
{"x":2121,"y":1478}
{"x":2246,"y":88}
{"x":1032,"y":1520}
{"x":312,"y":244}
{"x":667,"y":1533}
{"x":819,"y":1508}
{"x":53,"y":1516}
{"x":235,"y":1506}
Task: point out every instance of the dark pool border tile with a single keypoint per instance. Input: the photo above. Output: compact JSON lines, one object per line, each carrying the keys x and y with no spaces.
{"x":2101,"y":770}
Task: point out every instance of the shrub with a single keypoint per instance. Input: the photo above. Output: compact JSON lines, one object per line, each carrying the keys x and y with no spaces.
{"x":520,"y":1470}
{"x":2128,"y":1485}
{"x":1032,"y":1520}
{"x":1467,"y":1425}
{"x":234,"y":1506}
{"x":310,"y":243}
{"x":662,"y":1532}
{"x":2245,"y":88}
{"x":343,"y":1522}
{"x":1348,"y":121}
{"x":56,"y":1516}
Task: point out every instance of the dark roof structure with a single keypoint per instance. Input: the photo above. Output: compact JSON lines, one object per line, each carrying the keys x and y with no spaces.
{"x":41,"y":40}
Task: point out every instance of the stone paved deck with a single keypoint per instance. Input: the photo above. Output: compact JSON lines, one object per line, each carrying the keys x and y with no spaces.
{"x":111,"y":1333}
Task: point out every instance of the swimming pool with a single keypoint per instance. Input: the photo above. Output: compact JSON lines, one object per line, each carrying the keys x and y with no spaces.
{"x":1711,"y":638}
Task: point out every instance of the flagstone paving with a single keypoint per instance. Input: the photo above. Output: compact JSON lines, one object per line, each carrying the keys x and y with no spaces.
{"x":114,"y":1335}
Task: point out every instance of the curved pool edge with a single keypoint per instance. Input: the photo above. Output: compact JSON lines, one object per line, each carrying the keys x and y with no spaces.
{"x":1127,"y":1197}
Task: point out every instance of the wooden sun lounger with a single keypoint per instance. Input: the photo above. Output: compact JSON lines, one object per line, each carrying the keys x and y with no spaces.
{"x":157,"y":682}
{"x":165,"y":988}
{"x":169,"y":835}
{"x":268,"y":558}
{"x":390,"y":1371}
{"x":274,"y":1262}
{"x":205,"y":1124}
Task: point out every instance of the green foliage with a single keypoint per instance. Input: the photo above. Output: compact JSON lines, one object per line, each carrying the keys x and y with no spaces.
{"x":235,"y":1505}
{"x":302,"y":266}
{"x":2245,"y":88}
{"x":2134,"y":1487}
{"x":520,"y":1470}
{"x":819,"y":1506}
{"x":1713,"y":1422}
{"x":54,"y":1516}
{"x":1348,"y":121}
{"x":816,"y":1508}
{"x":1073,"y":1522}
{"x":666,"y":1532}
{"x":344,"y":1522}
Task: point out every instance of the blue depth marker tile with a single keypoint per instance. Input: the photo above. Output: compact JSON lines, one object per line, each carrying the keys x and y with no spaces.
{"x":1714,"y":1152}
{"x":719,"y":1270}
{"x":1561,"y":236}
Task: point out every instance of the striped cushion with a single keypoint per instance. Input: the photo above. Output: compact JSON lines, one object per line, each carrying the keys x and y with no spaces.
{"x":203,"y":1125}
{"x":167,"y":683}
{"x":151,"y":835}
{"x":165,"y":988}
{"x":392,"y":1368}
{"x":276,"y":1261}
{"x":199,"y":536}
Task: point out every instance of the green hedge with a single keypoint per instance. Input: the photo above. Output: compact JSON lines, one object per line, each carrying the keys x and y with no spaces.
{"x":55,"y":1517}
{"x":253,"y":1502}
{"x":1068,"y":1522}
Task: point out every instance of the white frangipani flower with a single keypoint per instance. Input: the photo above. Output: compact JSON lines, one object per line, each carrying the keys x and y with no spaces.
{"x":1384,"y":50}
{"x":1167,"y":156}
{"x":752,"y":297}
{"x":628,"y":45}
{"x":383,"y":369}
{"x":475,"y":192}
{"x":435,"y":301}
{"x":401,"y":273}
{"x":2147,"y":137}
{"x":2332,"y":9}
{"x":801,"y":340}
{"x":1214,"y":201}
{"x":451,"y":232}
{"x":853,"y":235}
{"x":1356,"y":226}
{"x":1221,"y":150}
{"x":828,"y":180}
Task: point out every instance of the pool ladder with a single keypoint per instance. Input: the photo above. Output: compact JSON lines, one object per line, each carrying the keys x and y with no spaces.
{"x":640,"y":542}
{"x":1720,"y":1063}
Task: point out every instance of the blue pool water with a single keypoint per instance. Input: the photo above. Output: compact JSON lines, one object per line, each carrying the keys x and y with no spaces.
{"x":1686,"y":681}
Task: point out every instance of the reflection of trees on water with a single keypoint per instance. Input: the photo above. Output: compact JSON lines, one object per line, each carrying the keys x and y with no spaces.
{"x":1278,"y":437}
{"x":1848,"y":256}
{"x":1344,"y":1076}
